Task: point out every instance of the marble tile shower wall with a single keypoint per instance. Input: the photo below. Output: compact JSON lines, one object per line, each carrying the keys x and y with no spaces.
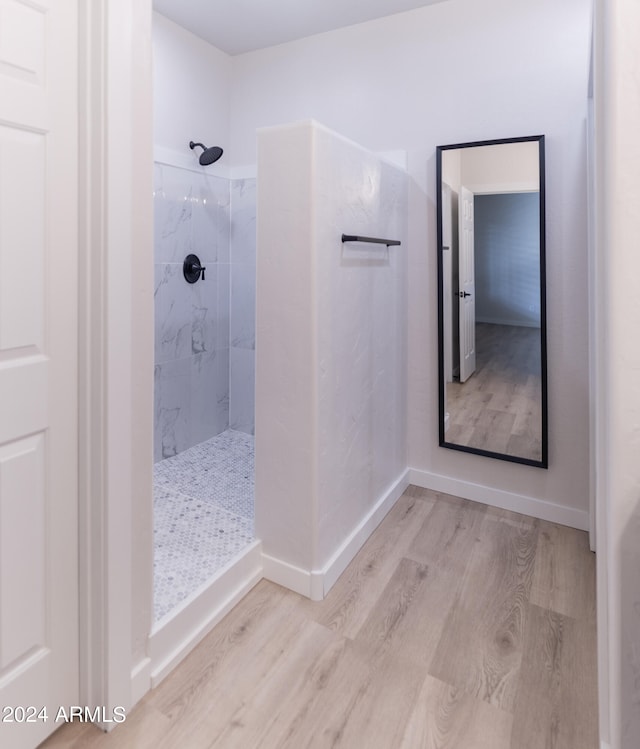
{"x":242,"y":337}
{"x":191,"y":214}
{"x":194,"y":322}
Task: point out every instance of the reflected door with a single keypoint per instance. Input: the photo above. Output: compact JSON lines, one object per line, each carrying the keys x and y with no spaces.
{"x":467,"y":292}
{"x":447,"y":250}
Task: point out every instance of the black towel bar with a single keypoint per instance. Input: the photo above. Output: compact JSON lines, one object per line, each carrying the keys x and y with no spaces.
{"x":374,"y":240}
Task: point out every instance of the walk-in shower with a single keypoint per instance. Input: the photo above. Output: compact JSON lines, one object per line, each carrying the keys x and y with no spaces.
{"x":204,"y":376}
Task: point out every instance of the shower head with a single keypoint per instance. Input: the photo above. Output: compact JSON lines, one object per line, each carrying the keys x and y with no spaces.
{"x":208,"y":155}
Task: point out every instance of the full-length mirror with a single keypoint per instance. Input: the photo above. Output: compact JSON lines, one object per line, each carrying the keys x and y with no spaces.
{"x":491,"y":299}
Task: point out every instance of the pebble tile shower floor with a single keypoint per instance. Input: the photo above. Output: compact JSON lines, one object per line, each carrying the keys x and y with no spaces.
{"x":203,"y":514}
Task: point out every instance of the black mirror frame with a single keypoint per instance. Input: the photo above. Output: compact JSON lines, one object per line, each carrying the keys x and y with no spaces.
{"x":544,"y":462}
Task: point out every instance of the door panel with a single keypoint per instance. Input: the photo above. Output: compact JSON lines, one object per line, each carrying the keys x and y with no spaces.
{"x":22,"y":547}
{"x":22,"y":205}
{"x":38,"y":363}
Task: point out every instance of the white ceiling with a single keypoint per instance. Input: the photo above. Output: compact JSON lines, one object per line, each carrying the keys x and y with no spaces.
{"x":237,"y":26}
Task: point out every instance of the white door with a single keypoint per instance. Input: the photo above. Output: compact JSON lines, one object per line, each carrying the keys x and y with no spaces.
{"x":38,"y":365}
{"x":466,"y":285}
{"x":447,"y":282}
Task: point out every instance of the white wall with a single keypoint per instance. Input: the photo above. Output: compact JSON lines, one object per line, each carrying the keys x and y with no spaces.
{"x":449,"y":73}
{"x":286,"y":435}
{"x":362,"y":329}
{"x":331,"y":353}
{"x":516,"y":166}
{"x":191,"y":81}
{"x":508,"y":167}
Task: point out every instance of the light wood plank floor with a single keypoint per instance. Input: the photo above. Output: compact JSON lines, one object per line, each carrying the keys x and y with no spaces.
{"x":499,"y":408}
{"x":457,"y":626}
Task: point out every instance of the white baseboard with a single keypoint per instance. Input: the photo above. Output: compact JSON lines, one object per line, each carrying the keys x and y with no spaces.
{"x":140,"y":680}
{"x":289,"y":576}
{"x":357,"y":538}
{"x":536,"y":508}
{"x":174,"y":636}
{"x":315,"y":584}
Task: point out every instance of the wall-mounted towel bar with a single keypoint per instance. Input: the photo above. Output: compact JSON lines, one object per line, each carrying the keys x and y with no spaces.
{"x":374,"y":240}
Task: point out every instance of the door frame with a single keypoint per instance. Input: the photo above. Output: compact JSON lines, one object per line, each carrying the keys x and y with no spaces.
{"x":115,"y":350}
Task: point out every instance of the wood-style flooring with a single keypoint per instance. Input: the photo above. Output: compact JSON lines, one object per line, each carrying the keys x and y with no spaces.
{"x":457,"y":626}
{"x":499,"y":408}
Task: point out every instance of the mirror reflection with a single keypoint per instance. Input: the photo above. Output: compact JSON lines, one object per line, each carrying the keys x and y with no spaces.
{"x":492,"y":318}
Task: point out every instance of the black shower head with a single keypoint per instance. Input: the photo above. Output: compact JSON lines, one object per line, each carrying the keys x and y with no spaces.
{"x":208,"y":155}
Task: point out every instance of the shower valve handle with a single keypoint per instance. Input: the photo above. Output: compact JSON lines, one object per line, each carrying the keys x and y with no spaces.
{"x":192,"y":269}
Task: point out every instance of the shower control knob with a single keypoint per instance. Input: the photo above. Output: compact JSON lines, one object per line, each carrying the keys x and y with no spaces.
{"x":192,"y":269}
